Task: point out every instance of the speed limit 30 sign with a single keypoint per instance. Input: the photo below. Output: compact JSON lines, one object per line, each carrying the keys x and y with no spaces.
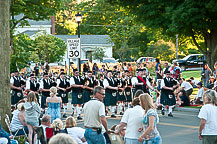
{"x":74,"y":48}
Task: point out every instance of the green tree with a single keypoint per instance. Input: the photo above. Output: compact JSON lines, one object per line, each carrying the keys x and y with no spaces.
{"x":99,"y":53}
{"x":163,"y":50}
{"x":48,"y":48}
{"x":5,"y":102}
{"x":22,"y":52}
{"x":193,"y":18}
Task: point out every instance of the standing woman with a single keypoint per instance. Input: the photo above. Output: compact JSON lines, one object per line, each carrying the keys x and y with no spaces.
{"x":32,"y":114}
{"x":150,"y":134}
{"x":205,"y":73}
{"x":208,"y":116}
{"x":54,"y":104}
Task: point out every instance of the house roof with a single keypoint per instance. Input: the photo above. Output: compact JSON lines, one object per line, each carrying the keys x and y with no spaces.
{"x":33,"y":22}
{"x":30,"y":32}
{"x":90,"y":39}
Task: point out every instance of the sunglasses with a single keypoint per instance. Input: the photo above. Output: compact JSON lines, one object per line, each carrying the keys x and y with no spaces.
{"x":101,"y":93}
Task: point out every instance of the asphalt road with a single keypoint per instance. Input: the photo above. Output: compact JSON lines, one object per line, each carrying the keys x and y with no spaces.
{"x":180,"y":129}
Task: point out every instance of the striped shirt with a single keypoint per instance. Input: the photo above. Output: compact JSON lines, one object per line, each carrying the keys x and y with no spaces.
{"x":16,"y":123}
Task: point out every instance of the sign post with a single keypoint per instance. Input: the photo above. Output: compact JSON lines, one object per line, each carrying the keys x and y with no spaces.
{"x":73,"y":49}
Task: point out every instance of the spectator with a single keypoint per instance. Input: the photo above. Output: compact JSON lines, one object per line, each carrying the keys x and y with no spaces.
{"x":75,"y":132}
{"x":36,"y":69}
{"x":45,"y":122}
{"x":156,"y":67}
{"x":183,"y":99}
{"x":6,"y":138}
{"x":138,"y":93}
{"x":166,"y":68}
{"x":54,"y":104}
{"x":19,"y":121}
{"x":103,"y":69}
{"x":194,"y":82}
{"x":199,"y":97}
{"x":95,"y":69}
{"x":32,"y":114}
{"x":57,"y":125}
{"x":150,"y":120}
{"x":125,"y":66}
{"x":85,"y":68}
{"x":186,"y":86}
{"x":159,"y":73}
{"x":215,"y":71}
{"x":94,"y":118}
{"x":130,"y":69}
{"x":62,"y":139}
{"x":132,"y":121}
{"x":205,"y":73}
{"x":47,"y":67}
{"x":28,"y":69}
{"x":207,"y":114}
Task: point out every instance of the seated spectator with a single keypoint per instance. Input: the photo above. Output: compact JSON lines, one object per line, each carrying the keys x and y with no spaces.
{"x":194,"y":82}
{"x":62,"y":139}
{"x":45,"y":122}
{"x":6,"y":137}
{"x":19,"y":121}
{"x":183,"y":100}
{"x":211,"y":83}
{"x":57,"y":125}
{"x":157,"y":102}
{"x":76,"y":133}
{"x":199,"y":98}
{"x":186,"y":86}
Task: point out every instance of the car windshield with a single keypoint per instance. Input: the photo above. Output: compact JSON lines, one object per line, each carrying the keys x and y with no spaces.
{"x":185,"y":58}
{"x":109,"y":61}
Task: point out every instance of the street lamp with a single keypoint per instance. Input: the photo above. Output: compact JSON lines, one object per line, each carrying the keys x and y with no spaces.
{"x":78,"y":17}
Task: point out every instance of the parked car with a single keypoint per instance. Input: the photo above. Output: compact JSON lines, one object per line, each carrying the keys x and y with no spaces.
{"x":109,"y":60}
{"x":145,"y":59}
{"x":192,"y":62}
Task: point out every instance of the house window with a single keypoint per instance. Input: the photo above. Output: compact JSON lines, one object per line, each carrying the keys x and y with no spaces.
{"x":89,"y":55}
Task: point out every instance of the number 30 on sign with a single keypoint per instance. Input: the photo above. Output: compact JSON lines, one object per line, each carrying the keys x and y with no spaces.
{"x":74,"y":48}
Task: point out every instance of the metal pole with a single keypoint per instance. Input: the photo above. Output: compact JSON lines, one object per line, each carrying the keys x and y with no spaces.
{"x":69,"y":67}
{"x":79,"y":59}
{"x":177,"y":41}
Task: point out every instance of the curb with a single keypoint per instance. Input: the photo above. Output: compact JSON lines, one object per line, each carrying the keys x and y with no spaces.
{"x":186,"y":109}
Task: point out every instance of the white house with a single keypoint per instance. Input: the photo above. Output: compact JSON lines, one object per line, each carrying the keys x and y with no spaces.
{"x":34,"y":27}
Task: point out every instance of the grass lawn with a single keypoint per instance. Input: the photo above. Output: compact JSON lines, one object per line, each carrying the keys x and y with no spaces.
{"x":195,"y":74}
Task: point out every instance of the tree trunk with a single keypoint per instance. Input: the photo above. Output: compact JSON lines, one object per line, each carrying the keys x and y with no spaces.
{"x":211,"y":55}
{"x":5,"y":99}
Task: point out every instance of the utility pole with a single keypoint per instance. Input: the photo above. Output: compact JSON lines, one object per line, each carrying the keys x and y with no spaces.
{"x":177,"y":42}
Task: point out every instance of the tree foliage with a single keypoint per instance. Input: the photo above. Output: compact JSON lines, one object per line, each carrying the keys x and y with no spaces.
{"x":191,"y":18}
{"x":99,"y":53}
{"x":48,"y":48}
{"x":33,"y":10}
{"x":22,"y":52}
{"x":163,"y":50}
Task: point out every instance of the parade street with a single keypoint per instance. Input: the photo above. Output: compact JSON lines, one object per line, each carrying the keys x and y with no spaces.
{"x":181,"y":129}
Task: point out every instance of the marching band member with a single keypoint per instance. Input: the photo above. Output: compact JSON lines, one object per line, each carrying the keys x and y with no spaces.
{"x":63,"y":86}
{"x":17,"y":86}
{"x":76,"y":83}
{"x":128,"y":87}
{"x":141,"y":82}
{"x":121,"y":95}
{"x":45,"y":86}
{"x":110,"y":92}
{"x":33,"y":85}
{"x":168,"y":85}
{"x":90,"y":83}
